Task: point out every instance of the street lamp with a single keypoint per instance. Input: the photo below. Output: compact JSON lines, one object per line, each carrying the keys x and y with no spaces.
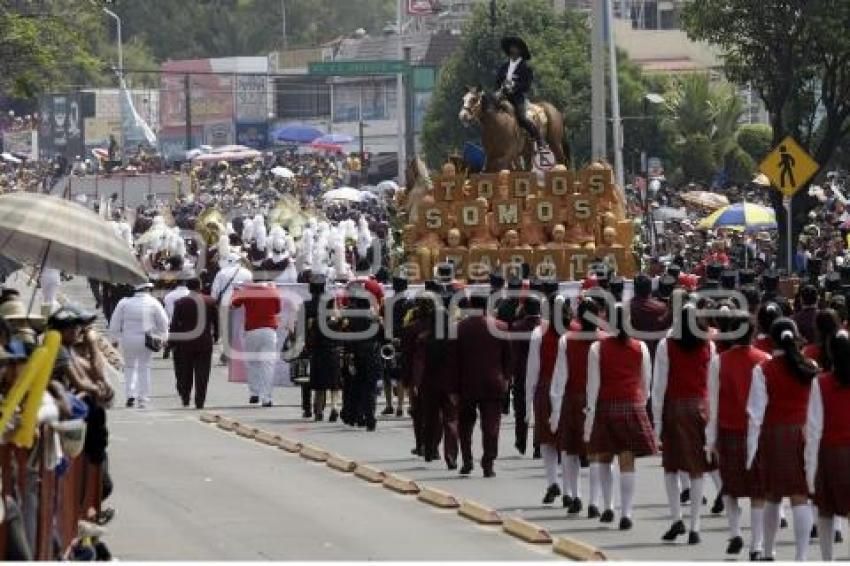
{"x":120,"y":46}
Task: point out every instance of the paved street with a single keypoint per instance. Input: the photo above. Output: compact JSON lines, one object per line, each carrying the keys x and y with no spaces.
{"x":190,"y":491}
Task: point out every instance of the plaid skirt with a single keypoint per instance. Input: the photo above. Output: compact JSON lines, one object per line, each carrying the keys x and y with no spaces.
{"x":783,"y":464}
{"x":622,"y":426}
{"x":683,"y":436}
{"x":571,"y":425}
{"x":732,"y":453}
{"x":832,"y":482}
{"x":542,"y":412}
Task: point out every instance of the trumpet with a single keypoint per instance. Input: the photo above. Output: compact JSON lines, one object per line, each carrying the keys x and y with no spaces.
{"x":391,"y":353}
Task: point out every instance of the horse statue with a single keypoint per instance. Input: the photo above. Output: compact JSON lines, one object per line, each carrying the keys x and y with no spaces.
{"x":417,"y":185}
{"x":506,"y":143}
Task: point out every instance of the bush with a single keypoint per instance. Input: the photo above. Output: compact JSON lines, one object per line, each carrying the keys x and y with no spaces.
{"x":756,"y":140}
{"x":698,"y":164}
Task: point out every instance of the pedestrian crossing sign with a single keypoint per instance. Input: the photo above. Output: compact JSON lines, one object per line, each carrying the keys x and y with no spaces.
{"x":789,"y":167}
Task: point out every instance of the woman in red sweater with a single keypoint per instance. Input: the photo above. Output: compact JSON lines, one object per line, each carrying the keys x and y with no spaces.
{"x":828,"y":442}
{"x":777,"y":405}
{"x":568,"y":396}
{"x":826,"y":325}
{"x":680,"y":400}
{"x":729,"y":380}
{"x":768,"y":313}
{"x":619,"y":371}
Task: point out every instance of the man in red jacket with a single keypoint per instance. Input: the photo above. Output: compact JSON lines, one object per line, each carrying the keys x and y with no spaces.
{"x":262,"y":310}
{"x":482,"y":382}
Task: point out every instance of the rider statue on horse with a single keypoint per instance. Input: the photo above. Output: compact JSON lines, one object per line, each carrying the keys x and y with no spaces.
{"x":513,"y":84}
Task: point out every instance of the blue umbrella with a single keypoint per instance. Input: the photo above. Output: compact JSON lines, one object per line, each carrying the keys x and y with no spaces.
{"x":297,"y":132}
{"x":334,"y":139}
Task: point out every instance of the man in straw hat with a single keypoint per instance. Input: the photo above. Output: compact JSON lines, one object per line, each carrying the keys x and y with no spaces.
{"x":514,"y":82}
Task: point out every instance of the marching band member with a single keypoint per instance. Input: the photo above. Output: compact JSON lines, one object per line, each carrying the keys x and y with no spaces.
{"x":730,"y":377}
{"x":528,"y":321}
{"x":680,"y":406}
{"x":568,"y":396}
{"x":617,"y":424}
{"x":542,"y":354}
{"x":777,"y":406}
{"x":827,"y":453}
{"x":827,"y":324}
{"x":767,"y":313}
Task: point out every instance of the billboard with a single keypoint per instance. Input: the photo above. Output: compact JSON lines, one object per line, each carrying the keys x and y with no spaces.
{"x":22,"y":144}
{"x":253,"y":135}
{"x":211,"y":94}
{"x":251,"y":98}
{"x":61,"y":126}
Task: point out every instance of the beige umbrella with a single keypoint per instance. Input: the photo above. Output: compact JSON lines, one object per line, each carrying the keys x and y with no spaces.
{"x":48,"y":231}
{"x":706,"y":199}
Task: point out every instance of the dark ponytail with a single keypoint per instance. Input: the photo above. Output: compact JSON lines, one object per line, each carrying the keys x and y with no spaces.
{"x":619,"y":327}
{"x":687,"y":337}
{"x":840,"y":346}
{"x":827,"y":324}
{"x":784,"y":334}
{"x":767,"y":314}
{"x":587,"y":310}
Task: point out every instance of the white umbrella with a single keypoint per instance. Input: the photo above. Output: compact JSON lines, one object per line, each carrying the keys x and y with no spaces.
{"x":343,"y":193}
{"x":9,"y":157}
{"x":387,"y":187}
{"x":282,"y":172}
{"x":47,"y":230}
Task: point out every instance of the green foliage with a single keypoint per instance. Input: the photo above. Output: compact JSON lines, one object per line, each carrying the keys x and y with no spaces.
{"x":560,"y":45}
{"x":740,"y":166}
{"x":756,"y":140}
{"x":700,"y":163}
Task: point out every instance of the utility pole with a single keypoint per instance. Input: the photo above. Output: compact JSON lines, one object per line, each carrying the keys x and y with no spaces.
{"x":409,"y":125}
{"x":616,"y":124}
{"x":188,"y":103}
{"x":283,"y":21}
{"x":400,"y":106}
{"x":598,"y":120}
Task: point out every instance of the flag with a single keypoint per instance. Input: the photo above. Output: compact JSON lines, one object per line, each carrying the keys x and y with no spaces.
{"x":133,"y":127}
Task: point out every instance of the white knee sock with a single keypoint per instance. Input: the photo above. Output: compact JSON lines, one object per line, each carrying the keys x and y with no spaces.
{"x":550,"y":463}
{"x":606,"y":481}
{"x":756,"y":529}
{"x":671,"y":485}
{"x":595,"y":483}
{"x":696,"y":503}
{"x":826,"y":525}
{"x":771,"y":527}
{"x":571,"y":468}
{"x":839,"y":524}
{"x":627,"y":493}
{"x":733,"y":515}
{"x":715,"y":479}
{"x":803,"y":530}
{"x":684,"y":480}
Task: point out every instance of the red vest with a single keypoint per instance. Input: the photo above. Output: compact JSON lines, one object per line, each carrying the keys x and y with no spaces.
{"x":736,"y":376}
{"x":813,"y":352}
{"x":687,"y":376}
{"x":788,"y":397}
{"x":548,"y":356}
{"x":620,"y":376}
{"x":577,"y":351}
{"x":764,"y":343}
{"x":836,"y":416}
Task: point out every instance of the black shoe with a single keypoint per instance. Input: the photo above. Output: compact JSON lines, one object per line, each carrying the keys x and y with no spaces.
{"x":814,"y":534}
{"x":567,"y":501}
{"x":783,"y":523}
{"x":452,"y":465}
{"x":399,"y":412}
{"x":253,"y":399}
{"x":676,"y":530}
{"x":185,"y":404}
{"x":755,"y":556}
{"x":333,"y":416}
{"x":489,"y":473}
{"x":307,"y":415}
{"x":693,"y":538}
{"x":625,"y":524}
{"x":839,"y":538}
{"x":431,"y":456}
{"x":736,"y":545}
{"x":416,"y":451}
{"x":268,"y":404}
{"x":575,"y":506}
{"x":607,"y":516}
{"x":105,"y":516}
{"x":685,"y":496}
{"x":131,"y":401}
{"x":318,"y":417}
{"x":552,"y":492}
{"x":592,"y":512}
{"x":768,"y":559}
{"x":536,"y":454}
{"x":718,"y":506}
{"x":199,"y":406}
{"x":466,"y":469}
{"x":520,"y":447}
{"x":388,"y":410}
{"x":371,"y":424}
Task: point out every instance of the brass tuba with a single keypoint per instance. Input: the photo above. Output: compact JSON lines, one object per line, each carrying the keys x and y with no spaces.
{"x":289,"y":215}
{"x":211,"y":225}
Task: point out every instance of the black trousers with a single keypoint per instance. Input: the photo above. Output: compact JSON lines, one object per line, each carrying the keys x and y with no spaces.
{"x":491,"y":417}
{"x":520,"y":424}
{"x":520,"y":108}
{"x":192,"y":366}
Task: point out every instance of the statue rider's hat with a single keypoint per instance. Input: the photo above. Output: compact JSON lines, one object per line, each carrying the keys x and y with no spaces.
{"x":510,"y":41}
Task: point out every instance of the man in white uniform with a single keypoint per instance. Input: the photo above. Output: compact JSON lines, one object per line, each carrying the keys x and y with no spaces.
{"x":133,"y":318}
{"x":226,"y":280}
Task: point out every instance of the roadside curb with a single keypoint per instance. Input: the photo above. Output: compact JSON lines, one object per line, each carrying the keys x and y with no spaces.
{"x":314,"y":453}
{"x":265,"y":437}
{"x":369,"y":473}
{"x":479,"y":513}
{"x":226,"y":424}
{"x":577,"y":550}
{"x":341,"y":463}
{"x":526,"y":530}
{"x":401,"y":484}
{"x":289,"y":445}
{"x":209,"y":418}
{"x":245,"y":431}
{"x":438,"y":498}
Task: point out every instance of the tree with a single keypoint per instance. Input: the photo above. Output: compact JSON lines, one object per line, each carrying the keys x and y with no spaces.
{"x":560,"y":44}
{"x":795,"y":54}
{"x":756,"y":140}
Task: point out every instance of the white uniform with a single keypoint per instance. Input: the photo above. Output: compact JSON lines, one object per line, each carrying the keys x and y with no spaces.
{"x":133,"y":317}
{"x":226,"y":280}
{"x":50,"y":279}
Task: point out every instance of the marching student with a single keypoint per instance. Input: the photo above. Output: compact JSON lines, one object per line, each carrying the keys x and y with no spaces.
{"x":730,"y":377}
{"x":542,"y":354}
{"x":568,"y":396}
{"x":827,"y":324}
{"x":767,"y":313}
{"x":619,"y":371}
{"x":827,"y":453}
{"x":680,"y":403}
{"x":777,"y":408}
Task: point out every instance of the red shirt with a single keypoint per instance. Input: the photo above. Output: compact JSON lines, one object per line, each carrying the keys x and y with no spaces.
{"x":788,"y":396}
{"x":262,"y":305}
{"x":836,"y":417}
{"x":736,"y":375}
